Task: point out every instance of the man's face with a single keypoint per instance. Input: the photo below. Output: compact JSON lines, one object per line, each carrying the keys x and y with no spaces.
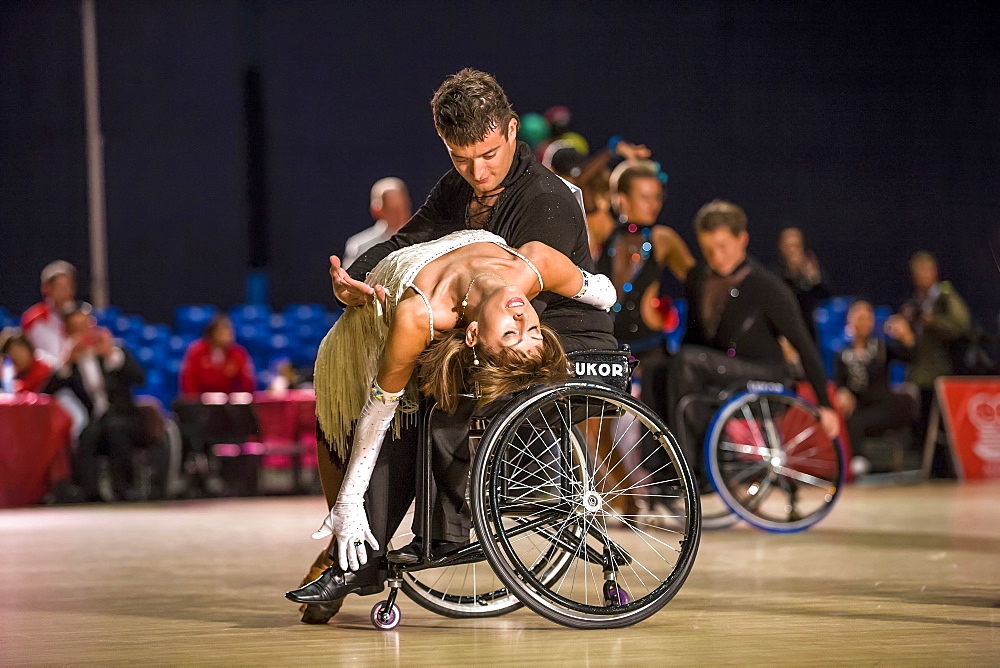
{"x":485,"y":164}
{"x":396,"y":208}
{"x":723,"y":250}
{"x":79,"y":325}
{"x":643,"y":202}
{"x":925,"y":275}
{"x":60,"y":289}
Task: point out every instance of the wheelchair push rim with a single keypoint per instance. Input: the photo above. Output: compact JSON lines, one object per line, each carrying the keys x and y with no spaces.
{"x":624,"y":567}
{"x":770,"y":461}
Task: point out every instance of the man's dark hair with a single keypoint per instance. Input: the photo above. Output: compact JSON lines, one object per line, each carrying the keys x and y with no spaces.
{"x":217,"y":321}
{"x":468,"y":106}
{"x":632,"y":174}
{"x":720,"y":213}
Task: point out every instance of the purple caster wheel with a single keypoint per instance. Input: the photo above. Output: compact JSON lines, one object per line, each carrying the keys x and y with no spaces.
{"x":615,"y":595}
{"x":383,"y":621}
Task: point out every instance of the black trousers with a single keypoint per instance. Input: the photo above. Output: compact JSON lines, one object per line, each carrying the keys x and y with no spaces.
{"x":876,"y":419}
{"x":115,"y":435}
{"x":695,"y":370}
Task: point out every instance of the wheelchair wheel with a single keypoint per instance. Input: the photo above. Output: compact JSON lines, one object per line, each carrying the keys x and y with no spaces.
{"x":715,"y":514}
{"x":471,"y":588}
{"x":537,"y":507}
{"x":771,"y":462}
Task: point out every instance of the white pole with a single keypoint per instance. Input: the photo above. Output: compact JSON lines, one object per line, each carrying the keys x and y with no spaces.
{"x":95,"y":159}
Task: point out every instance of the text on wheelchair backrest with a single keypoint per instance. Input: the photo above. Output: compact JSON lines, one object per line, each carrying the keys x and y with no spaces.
{"x":603,"y":369}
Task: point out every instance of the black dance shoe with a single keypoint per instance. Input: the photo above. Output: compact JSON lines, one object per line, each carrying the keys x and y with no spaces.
{"x":414,"y":552}
{"x":319,"y":613}
{"x":335,"y":584}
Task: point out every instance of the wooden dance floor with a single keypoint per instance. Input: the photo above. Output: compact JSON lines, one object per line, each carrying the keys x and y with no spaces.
{"x":900,"y":575}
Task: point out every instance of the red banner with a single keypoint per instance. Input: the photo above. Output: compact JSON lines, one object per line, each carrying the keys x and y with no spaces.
{"x":971,"y":409}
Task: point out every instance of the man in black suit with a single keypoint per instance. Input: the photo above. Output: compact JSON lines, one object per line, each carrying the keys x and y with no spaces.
{"x":737,"y":310}
{"x":102,"y":376}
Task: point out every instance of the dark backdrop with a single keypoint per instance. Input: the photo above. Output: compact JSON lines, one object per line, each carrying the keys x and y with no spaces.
{"x":872,"y":126}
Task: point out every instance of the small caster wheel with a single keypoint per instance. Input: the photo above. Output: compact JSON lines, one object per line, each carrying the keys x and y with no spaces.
{"x":384,"y":621}
{"x":615,"y":595}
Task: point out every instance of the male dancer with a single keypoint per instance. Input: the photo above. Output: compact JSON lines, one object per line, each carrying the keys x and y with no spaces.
{"x":498,"y":185}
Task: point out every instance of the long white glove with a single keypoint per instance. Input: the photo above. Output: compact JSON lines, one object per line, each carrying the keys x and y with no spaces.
{"x":597,"y":290}
{"x":347,"y":519}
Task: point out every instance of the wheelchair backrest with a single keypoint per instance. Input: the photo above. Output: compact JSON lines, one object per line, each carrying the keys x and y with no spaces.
{"x":611,"y":367}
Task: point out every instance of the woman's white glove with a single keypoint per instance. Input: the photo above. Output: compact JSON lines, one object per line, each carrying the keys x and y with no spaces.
{"x":597,"y":290}
{"x":349,"y":522}
{"x":347,"y":519}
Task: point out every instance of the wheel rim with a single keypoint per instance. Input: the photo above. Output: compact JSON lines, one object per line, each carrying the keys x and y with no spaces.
{"x":582,"y":514}
{"x":772,"y":463}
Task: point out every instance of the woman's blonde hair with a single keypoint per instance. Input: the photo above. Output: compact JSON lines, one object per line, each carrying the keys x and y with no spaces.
{"x":447,"y":369}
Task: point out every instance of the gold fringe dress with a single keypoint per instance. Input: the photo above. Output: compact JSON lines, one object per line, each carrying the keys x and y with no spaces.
{"x":350,"y":353}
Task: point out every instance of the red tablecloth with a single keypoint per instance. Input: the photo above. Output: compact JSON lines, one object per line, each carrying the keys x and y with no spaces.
{"x":287,"y":425}
{"x":34,"y":447}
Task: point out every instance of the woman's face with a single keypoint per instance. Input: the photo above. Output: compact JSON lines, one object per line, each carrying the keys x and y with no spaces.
{"x":506,"y":320}
{"x":861,"y":319}
{"x":223,"y":336}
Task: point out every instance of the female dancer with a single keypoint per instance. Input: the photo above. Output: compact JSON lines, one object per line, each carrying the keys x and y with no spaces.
{"x":459,"y":309}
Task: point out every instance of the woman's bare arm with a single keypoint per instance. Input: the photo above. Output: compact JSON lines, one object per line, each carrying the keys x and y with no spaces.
{"x":671,"y":251}
{"x":558,"y":271}
{"x":408,"y":335}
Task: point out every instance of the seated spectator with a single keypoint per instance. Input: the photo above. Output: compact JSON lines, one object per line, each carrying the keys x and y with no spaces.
{"x":42,"y":324}
{"x":801,"y":270}
{"x":737,"y":310}
{"x":31,"y":373}
{"x":861,"y":372}
{"x":216,"y":363}
{"x":101,"y":375}
{"x":391,"y":209}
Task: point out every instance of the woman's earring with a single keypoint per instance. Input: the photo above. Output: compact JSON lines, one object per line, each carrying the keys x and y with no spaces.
{"x":475,"y":359}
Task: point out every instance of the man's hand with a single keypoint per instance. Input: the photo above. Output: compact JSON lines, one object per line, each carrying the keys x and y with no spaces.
{"x":898,"y":328}
{"x":830,"y":422}
{"x":350,"y":291}
{"x":103,"y":341}
{"x":846,"y":401}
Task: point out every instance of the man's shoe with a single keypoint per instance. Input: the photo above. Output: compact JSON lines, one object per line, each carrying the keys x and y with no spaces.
{"x":334,"y":584}
{"x":413,"y":553}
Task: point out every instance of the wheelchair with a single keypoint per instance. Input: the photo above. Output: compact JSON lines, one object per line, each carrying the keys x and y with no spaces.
{"x":549,"y":529}
{"x":766,"y":458}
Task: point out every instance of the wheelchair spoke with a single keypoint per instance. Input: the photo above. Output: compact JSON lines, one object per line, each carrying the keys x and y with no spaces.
{"x":772,"y":432}
{"x":753,"y":426}
{"x":799,"y":438}
{"x":804,"y":477}
{"x":744,"y":448}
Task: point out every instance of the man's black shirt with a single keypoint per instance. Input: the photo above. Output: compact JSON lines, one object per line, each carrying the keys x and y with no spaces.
{"x":759,"y":309}
{"x":535,"y":205}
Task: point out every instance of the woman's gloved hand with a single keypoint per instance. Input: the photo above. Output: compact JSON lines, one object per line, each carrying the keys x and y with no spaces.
{"x":349,"y":523}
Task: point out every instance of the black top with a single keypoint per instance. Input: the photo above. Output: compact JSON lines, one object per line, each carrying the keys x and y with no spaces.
{"x":629,"y":325}
{"x":758,"y":310}
{"x":809,"y":295}
{"x":535,"y":205}
{"x":118,"y":384}
{"x":865,"y":372}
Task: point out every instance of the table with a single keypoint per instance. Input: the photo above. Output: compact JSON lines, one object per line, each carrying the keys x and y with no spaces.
{"x":34,"y":447}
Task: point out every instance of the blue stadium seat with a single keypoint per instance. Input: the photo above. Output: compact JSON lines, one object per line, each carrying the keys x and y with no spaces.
{"x":280,"y":346}
{"x":305,"y":313}
{"x":177,"y":345}
{"x":107,"y":314}
{"x":675,"y":337}
{"x":128,"y":326}
{"x":279,"y":324}
{"x":305,"y":356}
{"x":192,"y":319}
{"x":250,"y":314}
{"x":151,"y":334}
{"x":897,"y":373}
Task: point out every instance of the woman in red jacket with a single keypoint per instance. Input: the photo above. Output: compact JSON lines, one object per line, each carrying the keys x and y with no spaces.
{"x":216,"y":363}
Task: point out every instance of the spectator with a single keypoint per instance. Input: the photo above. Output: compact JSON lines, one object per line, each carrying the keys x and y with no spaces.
{"x":861,"y":372}
{"x":801,"y":270}
{"x":42,"y":324}
{"x":101,"y":375}
{"x":939,"y":318}
{"x":391,"y":209}
{"x":737,"y":310}
{"x":31,"y":373}
{"x":216,"y":363}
